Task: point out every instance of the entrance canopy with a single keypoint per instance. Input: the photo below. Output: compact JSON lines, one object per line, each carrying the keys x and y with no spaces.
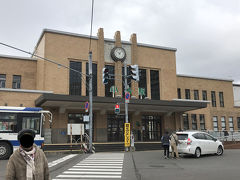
{"x":108,"y":103}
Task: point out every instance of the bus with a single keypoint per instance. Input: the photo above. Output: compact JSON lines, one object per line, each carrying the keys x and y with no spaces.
{"x":14,"y":119}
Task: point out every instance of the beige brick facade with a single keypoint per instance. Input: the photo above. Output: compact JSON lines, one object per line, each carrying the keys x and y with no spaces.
{"x":148,"y":118}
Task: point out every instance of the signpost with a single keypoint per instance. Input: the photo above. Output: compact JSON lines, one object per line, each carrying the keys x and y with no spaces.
{"x":86,"y":106}
{"x":127,"y":134}
{"x":127,"y":97}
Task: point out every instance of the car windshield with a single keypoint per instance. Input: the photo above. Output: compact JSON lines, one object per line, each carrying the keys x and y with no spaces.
{"x":182,"y":136}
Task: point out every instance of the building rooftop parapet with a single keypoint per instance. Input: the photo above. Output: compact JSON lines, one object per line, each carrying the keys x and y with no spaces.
{"x":96,"y":38}
{"x":25,"y":90}
{"x":201,"y":77}
{"x":17,"y":57}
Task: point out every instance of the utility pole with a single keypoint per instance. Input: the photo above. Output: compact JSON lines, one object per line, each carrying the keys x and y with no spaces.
{"x":125,"y":91}
{"x":90,"y":100}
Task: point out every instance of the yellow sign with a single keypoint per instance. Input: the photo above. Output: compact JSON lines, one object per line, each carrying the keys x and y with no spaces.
{"x":127,"y":134}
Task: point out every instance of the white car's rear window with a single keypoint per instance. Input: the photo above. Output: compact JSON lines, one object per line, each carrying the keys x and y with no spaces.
{"x":182,"y":136}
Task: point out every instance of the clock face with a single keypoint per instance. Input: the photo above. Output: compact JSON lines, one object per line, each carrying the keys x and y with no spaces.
{"x":118,"y":54}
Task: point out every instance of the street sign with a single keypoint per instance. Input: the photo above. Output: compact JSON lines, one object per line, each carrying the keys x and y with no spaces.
{"x":127,"y":97}
{"x":86,"y":106}
{"x":127,"y":134}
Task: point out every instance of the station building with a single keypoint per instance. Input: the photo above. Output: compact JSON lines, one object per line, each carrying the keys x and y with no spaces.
{"x":162,"y":100}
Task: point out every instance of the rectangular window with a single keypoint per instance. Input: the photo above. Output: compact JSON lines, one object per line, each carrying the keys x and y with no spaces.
{"x":194,"y":121}
{"x":238,"y":122}
{"x":128,"y":81}
{"x":179,"y":93}
{"x":221,"y":99}
{"x":223,"y":122}
{"x":215,"y":123}
{"x":230,"y":122}
{"x":155,"y":91}
{"x":94,"y":79}
{"x":111,"y":81}
{"x":185,"y":122}
{"x":187,"y":94}
{"x":2,"y":80}
{"x":142,"y":84}
{"x":213,"y":95}
{"x":196,"y":95}
{"x":8,"y":122}
{"x":16,"y":84}
{"x":202,"y":122}
{"x":75,"y":79}
{"x":204,"y":95}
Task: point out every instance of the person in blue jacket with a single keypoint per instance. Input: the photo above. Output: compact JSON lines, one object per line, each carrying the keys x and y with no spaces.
{"x":165,"y":142}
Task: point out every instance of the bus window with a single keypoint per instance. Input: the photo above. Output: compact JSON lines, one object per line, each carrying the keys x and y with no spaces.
{"x":31,"y":123}
{"x":8,"y":122}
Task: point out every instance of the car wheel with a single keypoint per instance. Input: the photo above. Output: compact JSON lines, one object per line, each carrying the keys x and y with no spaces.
{"x":198,"y":153}
{"x":219,"y":151}
{"x":5,"y":150}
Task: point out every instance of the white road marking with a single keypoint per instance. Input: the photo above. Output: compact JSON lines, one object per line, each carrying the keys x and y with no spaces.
{"x":96,"y":166}
{"x":81,"y":169}
{"x":54,"y":163}
{"x":87,"y":176}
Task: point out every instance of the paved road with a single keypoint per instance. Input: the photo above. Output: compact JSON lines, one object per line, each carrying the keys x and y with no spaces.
{"x":141,"y":165}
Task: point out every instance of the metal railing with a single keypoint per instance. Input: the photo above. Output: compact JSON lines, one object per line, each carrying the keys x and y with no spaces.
{"x":226,"y":135}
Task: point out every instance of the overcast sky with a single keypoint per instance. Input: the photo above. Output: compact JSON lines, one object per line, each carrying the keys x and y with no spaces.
{"x":206,"y":33}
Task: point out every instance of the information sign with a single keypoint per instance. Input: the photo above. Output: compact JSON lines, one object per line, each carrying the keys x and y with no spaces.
{"x":127,"y":134}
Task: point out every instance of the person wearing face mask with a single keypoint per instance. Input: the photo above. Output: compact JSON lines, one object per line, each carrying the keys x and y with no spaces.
{"x":28,"y":162}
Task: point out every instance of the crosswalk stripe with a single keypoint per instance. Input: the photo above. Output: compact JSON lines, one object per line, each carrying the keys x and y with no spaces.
{"x":117,"y":167}
{"x":82,"y":172}
{"x":98,"y":164}
{"x":88,"y":176}
{"x":81,"y":169}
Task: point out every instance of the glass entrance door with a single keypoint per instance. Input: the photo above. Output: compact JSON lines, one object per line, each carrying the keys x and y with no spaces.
{"x":115,"y":127}
{"x":151,"y":128}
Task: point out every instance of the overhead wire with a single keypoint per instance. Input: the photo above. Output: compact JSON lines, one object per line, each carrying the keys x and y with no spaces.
{"x":51,"y":61}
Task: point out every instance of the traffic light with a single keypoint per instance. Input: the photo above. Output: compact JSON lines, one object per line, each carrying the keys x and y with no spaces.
{"x":105,"y":75}
{"x":117,"y":109}
{"x":134,"y":72}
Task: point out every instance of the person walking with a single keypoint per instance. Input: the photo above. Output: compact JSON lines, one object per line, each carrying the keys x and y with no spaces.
{"x":165,"y":142}
{"x":28,"y":162}
{"x":174,"y":143}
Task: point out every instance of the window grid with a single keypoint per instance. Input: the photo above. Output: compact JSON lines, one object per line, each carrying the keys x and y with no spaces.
{"x":185,"y":122}
{"x":196,"y":95}
{"x":202,"y":122}
{"x":111,"y":81}
{"x":223,"y":123}
{"x":204,"y":95}
{"x":215,"y":123}
{"x":16,"y":84}
{"x":213,"y":95}
{"x":238,"y":121}
{"x":230,"y":122}
{"x":179,"y":93}
{"x":155,"y":91}
{"x":187,"y":93}
{"x":143,"y":82}
{"x":194,"y":121}
{"x":75,"y":81}
{"x":94,"y":79}
{"x":221,"y":99}
{"x":2,"y":80}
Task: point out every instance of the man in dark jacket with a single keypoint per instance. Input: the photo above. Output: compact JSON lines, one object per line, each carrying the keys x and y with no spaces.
{"x":28,"y":162}
{"x":165,"y":142}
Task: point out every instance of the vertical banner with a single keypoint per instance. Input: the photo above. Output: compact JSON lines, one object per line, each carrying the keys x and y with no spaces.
{"x":127,"y":134}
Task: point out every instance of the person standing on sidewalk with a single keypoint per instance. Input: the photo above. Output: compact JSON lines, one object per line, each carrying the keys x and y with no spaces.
{"x":165,"y":142}
{"x":28,"y":162}
{"x":174,"y":143}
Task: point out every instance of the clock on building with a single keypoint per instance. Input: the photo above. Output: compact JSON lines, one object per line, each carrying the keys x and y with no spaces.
{"x":118,"y":54}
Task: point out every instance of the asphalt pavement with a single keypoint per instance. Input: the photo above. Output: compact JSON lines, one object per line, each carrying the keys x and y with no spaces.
{"x":145,"y":165}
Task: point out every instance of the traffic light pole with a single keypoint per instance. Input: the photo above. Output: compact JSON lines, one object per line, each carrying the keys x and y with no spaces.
{"x":125,"y":90}
{"x":90,"y":100}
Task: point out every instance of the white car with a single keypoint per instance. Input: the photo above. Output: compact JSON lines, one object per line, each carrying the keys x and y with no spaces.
{"x":198,"y":143}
